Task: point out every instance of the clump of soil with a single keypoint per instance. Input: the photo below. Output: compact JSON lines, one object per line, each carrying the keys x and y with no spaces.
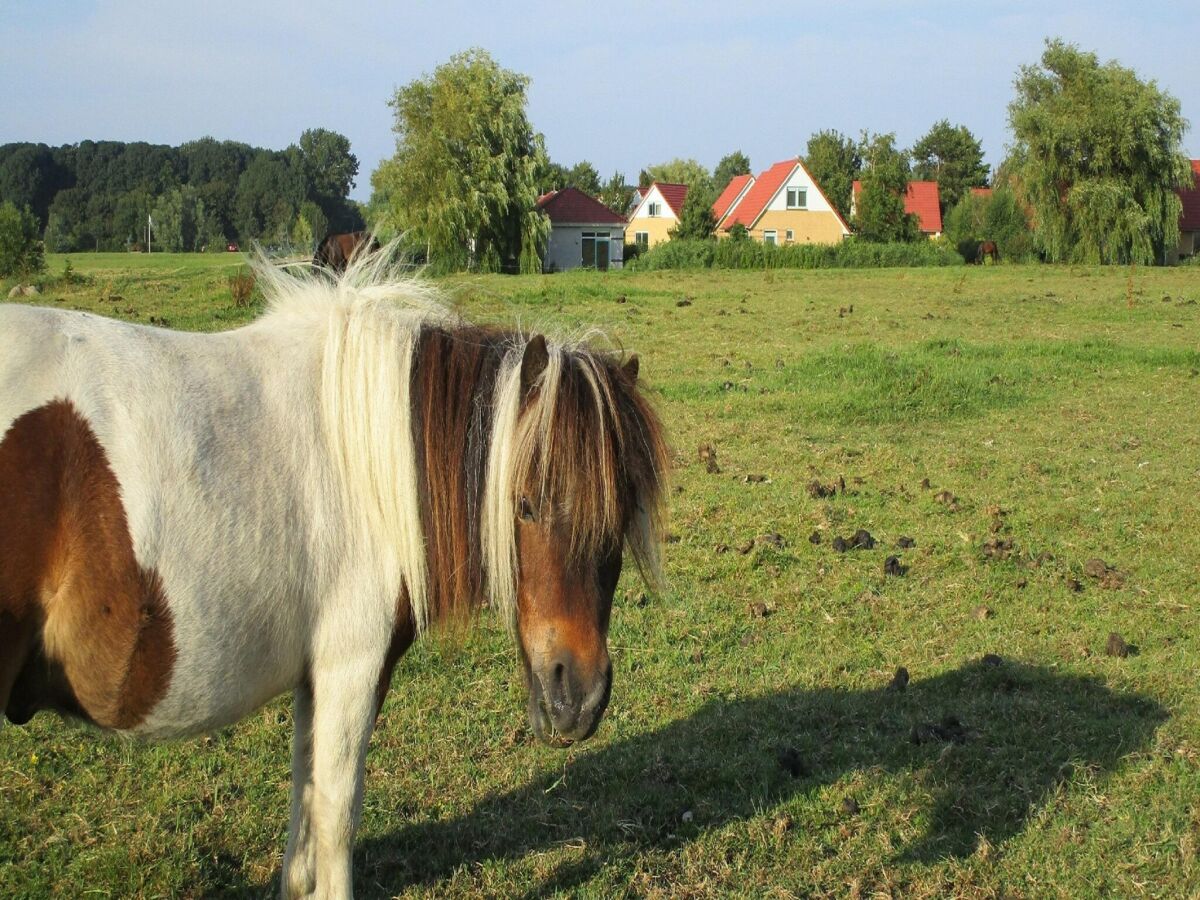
{"x":814,"y":538}
{"x":947,"y":499}
{"x":1117,"y":647}
{"x":998,"y":548}
{"x":771,"y":539}
{"x":839,"y":545}
{"x":983,"y":612}
{"x":792,"y":762}
{"x":819,"y":491}
{"x":862,"y":540}
{"x":755,"y":479}
{"x":948,"y":731}
{"x":850,"y":807}
{"x":904,"y":542}
{"x":759,"y":610}
{"x":891,"y":566}
{"x":899,"y":681}
{"x":992,"y":660}
{"x":708,"y":456}
{"x":1109,"y":577}
{"x":684,"y":301}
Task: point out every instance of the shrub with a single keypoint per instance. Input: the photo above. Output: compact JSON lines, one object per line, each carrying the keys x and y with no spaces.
{"x":21,"y":252}
{"x":748,"y":254}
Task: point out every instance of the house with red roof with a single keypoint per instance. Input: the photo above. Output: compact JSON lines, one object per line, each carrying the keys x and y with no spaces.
{"x":782,"y":205}
{"x":1189,"y":219}
{"x":583,"y":232}
{"x":731,"y":196}
{"x":921,"y":199}
{"x":656,"y":214}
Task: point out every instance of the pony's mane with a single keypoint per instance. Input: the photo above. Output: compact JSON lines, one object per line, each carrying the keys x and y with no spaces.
{"x":434,"y":443}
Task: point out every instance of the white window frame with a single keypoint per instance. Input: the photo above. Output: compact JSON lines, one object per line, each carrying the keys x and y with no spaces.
{"x":653,"y":210}
{"x":642,"y":239}
{"x":771,"y":237}
{"x":799,"y":194}
{"x":789,"y":236}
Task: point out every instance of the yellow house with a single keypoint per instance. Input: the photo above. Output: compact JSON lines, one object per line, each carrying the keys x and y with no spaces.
{"x":656,"y":214}
{"x":783,"y":205}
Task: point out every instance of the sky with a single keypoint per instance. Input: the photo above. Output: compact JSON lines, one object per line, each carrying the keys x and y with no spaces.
{"x":623,"y":85}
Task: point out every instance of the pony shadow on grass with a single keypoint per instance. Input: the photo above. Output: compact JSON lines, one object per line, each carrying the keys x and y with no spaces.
{"x":1016,"y":731}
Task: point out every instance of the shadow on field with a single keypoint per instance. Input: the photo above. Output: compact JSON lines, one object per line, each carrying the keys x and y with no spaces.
{"x":992,"y":743}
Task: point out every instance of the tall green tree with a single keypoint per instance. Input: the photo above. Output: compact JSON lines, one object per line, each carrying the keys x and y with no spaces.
{"x":329,"y":170}
{"x":463,"y":182}
{"x":584,"y":177}
{"x":696,"y":220}
{"x":20,"y":249}
{"x":1097,"y":155}
{"x":879,"y":211}
{"x":730,"y":166}
{"x":951,"y":156}
{"x":616,"y":194}
{"x":678,"y":171}
{"x":835,"y":161}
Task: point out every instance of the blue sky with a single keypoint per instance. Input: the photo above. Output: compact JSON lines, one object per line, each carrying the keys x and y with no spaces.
{"x":622,"y":84}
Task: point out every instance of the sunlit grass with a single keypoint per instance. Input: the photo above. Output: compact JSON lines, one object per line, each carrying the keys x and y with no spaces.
{"x":1055,"y":408}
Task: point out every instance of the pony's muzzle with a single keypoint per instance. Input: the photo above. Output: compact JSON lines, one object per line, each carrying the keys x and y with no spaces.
{"x":566,"y":705}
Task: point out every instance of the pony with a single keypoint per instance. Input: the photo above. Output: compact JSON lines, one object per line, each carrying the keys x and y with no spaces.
{"x":337,"y":251}
{"x":287,"y":506}
{"x":987,"y":249}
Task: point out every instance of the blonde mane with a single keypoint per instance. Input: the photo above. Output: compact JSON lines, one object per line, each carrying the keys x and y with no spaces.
{"x":373,"y":321}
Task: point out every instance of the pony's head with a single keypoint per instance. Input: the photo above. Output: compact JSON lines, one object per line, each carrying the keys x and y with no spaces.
{"x":583,"y":461}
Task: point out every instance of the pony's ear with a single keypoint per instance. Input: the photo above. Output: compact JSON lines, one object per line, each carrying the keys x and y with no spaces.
{"x":533,"y":363}
{"x":630,"y":368}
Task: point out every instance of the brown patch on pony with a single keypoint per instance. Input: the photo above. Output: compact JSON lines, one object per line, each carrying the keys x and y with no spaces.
{"x":86,"y":630}
{"x":337,"y":251}
{"x":454,"y":376}
{"x":403,"y":634}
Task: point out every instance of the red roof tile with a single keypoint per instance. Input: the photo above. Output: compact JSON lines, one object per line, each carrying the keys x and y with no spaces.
{"x":725,"y":201}
{"x":765,"y":187}
{"x":1189,"y":220}
{"x":571,"y":206}
{"x":921,"y":199}
{"x":673,"y":194}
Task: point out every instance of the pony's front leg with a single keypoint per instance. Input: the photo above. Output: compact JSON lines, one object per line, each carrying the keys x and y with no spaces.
{"x":299,"y":877}
{"x":343,"y":719}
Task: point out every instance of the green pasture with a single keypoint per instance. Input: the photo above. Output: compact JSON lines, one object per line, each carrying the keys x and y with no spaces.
{"x":1035,"y":432}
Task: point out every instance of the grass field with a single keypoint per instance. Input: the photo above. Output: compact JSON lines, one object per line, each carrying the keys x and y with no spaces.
{"x":1017,"y":423}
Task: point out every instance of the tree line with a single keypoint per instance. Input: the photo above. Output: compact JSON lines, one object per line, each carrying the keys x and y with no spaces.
{"x":100,"y":195}
{"x":1091,"y":176}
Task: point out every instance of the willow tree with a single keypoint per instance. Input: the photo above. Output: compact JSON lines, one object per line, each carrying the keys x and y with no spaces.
{"x":1097,"y":156}
{"x":462,"y":184}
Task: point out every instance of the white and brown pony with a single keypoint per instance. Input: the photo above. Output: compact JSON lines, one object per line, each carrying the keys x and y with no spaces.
{"x":192,"y":524}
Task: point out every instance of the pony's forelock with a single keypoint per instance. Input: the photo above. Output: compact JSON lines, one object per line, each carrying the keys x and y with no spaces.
{"x":583,"y":437}
{"x":584,"y":434}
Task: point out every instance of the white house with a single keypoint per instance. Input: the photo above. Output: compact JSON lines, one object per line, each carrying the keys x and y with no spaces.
{"x":583,"y":232}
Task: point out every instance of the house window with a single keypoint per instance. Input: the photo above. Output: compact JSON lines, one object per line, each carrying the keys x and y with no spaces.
{"x":789,"y":236}
{"x":770,"y":237}
{"x":797,"y":198}
{"x":595,"y":250}
{"x":654,"y":210}
{"x":642,"y":239}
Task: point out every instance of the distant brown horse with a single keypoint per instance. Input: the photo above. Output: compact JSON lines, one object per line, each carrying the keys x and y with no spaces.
{"x":987,"y":248}
{"x":337,"y":250}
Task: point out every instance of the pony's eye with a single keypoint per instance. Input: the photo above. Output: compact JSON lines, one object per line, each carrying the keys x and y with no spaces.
{"x":525,"y":510}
